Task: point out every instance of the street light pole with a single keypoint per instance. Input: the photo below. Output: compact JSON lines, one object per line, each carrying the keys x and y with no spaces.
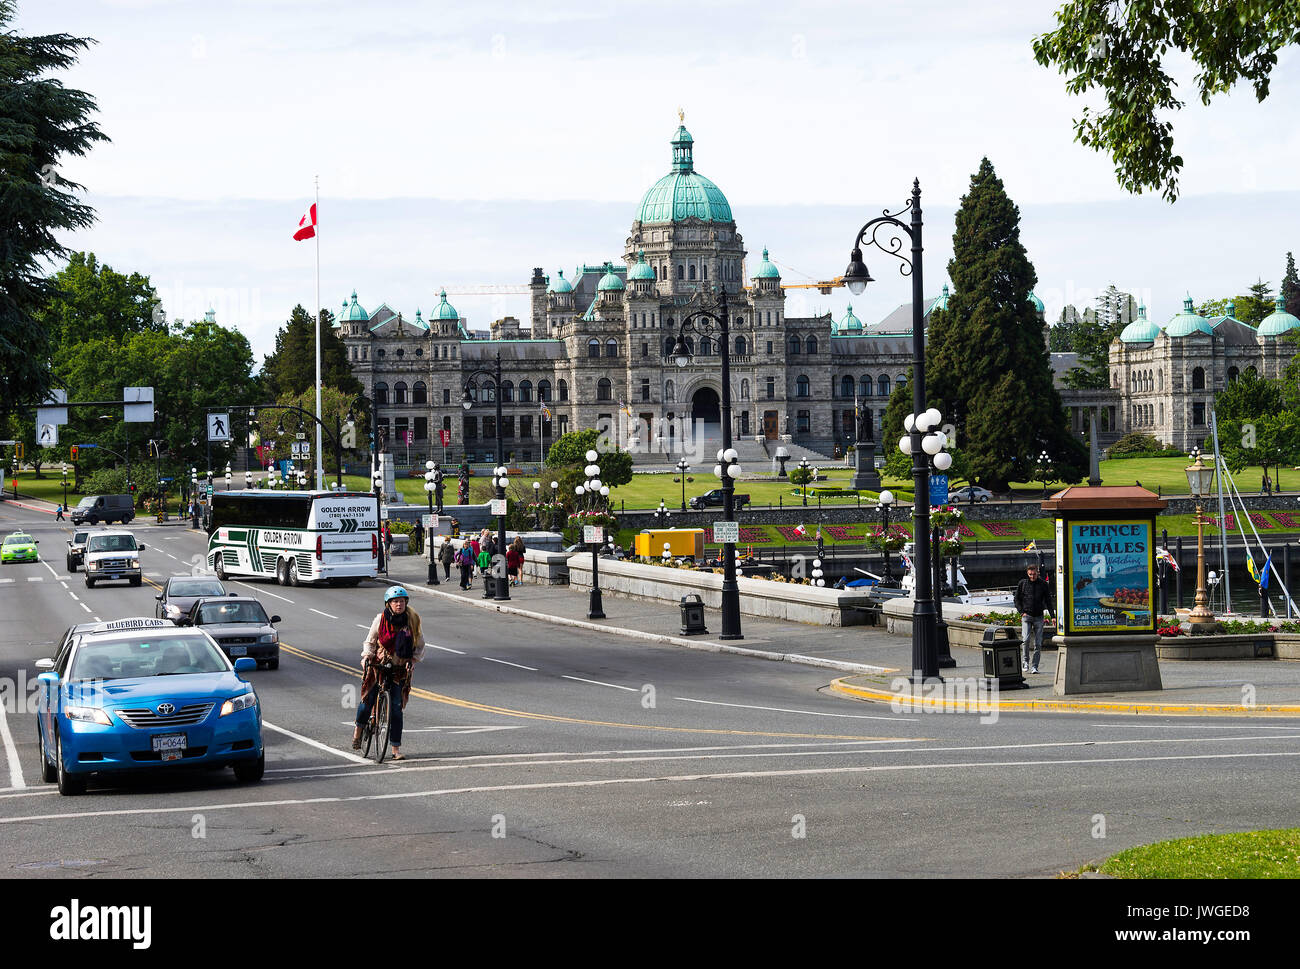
{"x":886,"y":500}
{"x":428,"y":490}
{"x":682,"y":470}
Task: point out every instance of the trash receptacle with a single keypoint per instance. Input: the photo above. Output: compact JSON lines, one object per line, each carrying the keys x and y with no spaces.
{"x":692,"y":615}
{"x":489,"y":585}
{"x":1001,"y":645}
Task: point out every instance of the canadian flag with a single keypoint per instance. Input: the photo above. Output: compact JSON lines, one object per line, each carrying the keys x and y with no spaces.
{"x":800,"y":531}
{"x":306,"y":225}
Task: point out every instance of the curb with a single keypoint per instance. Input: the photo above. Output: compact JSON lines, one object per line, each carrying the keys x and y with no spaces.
{"x":20,"y":504}
{"x":702,"y":645}
{"x":937,"y":705}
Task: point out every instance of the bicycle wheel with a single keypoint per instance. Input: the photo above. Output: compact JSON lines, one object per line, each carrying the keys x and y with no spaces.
{"x":383,"y":715}
{"x":367,"y":734}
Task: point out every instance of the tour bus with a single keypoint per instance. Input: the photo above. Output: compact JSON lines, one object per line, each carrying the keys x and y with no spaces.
{"x":295,"y":536}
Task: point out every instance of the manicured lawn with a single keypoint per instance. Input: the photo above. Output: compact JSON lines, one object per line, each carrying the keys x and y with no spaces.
{"x":1250,"y":854}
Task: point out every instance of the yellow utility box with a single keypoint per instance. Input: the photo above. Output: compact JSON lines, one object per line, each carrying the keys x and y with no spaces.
{"x":682,"y":542}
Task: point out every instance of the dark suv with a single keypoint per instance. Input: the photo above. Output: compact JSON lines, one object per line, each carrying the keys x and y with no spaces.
{"x":77,"y":548}
{"x":713,"y":499}
{"x":103,"y":509}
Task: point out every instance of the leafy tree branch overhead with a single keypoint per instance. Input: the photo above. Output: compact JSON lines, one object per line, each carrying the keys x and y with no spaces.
{"x":1123,"y":50}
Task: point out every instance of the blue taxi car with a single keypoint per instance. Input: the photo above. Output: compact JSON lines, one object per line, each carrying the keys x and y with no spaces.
{"x":135,"y":694}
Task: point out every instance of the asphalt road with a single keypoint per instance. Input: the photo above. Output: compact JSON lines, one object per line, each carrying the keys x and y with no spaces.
{"x":538,"y":750}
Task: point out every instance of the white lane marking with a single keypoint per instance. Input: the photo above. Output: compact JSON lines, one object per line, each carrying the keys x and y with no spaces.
{"x":5,"y":581}
{"x":319,"y":613}
{"x":811,"y":713}
{"x":36,"y":578}
{"x":457,"y":730}
{"x":52,"y":572}
{"x":1187,"y":726}
{"x":445,"y":649}
{"x":28,"y":792}
{"x":73,"y":594}
{"x":346,"y":754}
{"x":611,"y":781}
{"x":505,"y":662}
{"x":11,"y":752}
{"x":264,"y":592}
{"x":630,"y":689}
{"x":359,"y":626}
{"x":87,"y":608}
{"x":172,"y":557}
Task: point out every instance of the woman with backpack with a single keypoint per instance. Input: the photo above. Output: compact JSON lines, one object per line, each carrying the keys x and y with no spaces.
{"x":394,"y":637}
{"x":446,"y":555}
{"x":465,"y":560}
{"x":515,"y":560}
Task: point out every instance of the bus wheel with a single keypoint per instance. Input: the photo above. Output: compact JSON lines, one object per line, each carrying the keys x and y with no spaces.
{"x":282,"y":572}
{"x":293,"y":573}
{"x":220,"y":567}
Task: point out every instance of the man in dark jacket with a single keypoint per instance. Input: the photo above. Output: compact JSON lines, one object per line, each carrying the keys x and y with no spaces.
{"x":1033,"y":598}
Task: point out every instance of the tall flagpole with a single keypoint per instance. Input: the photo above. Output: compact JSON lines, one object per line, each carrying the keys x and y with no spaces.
{"x":320,"y":467}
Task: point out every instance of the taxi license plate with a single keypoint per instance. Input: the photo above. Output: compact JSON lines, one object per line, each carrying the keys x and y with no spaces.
{"x":170,"y":745}
{"x":238,"y":650}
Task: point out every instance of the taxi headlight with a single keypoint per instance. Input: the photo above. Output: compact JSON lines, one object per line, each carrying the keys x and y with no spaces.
{"x":237,"y":703}
{"x":89,"y":715}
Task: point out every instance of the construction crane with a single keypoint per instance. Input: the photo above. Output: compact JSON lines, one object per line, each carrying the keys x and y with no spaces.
{"x":488,"y":290}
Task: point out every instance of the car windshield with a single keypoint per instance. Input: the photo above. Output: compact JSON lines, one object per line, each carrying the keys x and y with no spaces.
{"x":146,"y":656}
{"x":18,"y":540}
{"x":79,"y":536}
{"x":111,"y":543}
{"x":211,"y":612}
{"x":191,"y":587}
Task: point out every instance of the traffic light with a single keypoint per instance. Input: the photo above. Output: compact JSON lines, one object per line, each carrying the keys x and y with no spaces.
{"x":132,"y":488}
{"x":18,"y":450}
{"x":74,"y":453}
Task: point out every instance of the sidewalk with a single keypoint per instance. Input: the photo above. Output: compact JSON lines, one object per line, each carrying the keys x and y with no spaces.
{"x":50,"y":508}
{"x":878,"y":661}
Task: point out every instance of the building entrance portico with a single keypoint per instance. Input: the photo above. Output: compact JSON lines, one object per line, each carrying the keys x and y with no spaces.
{"x":706,"y":406}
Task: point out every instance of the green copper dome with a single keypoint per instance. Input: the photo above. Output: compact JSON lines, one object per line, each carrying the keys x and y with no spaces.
{"x":1279,"y":321}
{"x":609,"y":281}
{"x":1141,"y":330}
{"x":353,"y":311}
{"x":562,"y":286}
{"x":1038,"y":303}
{"x":767,"y":270}
{"x":445,"y":310}
{"x":850,"y":324}
{"x":641,"y":269}
{"x":1187,"y":322}
{"x":684,"y":193}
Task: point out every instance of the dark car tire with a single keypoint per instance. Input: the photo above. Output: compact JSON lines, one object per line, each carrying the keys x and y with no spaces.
{"x":72,"y":566}
{"x":293,"y":574}
{"x":49,"y":772}
{"x":984,"y":498}
{"x":136,"y":580}
{"x":250,"y":771}
{"x":219,"y":567}
{"x":90,"y":583}
{"x":70,"y":785}
{"x":273,"y":664}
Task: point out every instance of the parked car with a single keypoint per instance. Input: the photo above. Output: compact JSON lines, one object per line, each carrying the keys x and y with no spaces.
{"x":113,"y":555}
{"x":105,"y":509}
{"x":964,"y":494}
{"x":135,"y":694}
{"x":181,"y":591}
{"x":714,"y":499}
{"x":77,"y":548}
{"x":240,"y":627}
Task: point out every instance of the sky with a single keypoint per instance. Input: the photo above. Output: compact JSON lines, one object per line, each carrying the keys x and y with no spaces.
{"x":459,"y":145}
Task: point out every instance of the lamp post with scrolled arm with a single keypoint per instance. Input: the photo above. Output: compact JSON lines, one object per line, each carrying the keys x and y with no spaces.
{"x":727,"y":468}
{"x":502,"y":588}
{"x":925,"y":658}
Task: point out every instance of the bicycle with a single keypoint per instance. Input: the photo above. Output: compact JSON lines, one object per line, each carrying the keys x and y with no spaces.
{"x":377,"y":726}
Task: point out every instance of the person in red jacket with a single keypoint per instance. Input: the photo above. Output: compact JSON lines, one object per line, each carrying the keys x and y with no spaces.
{"x":515,"y":561}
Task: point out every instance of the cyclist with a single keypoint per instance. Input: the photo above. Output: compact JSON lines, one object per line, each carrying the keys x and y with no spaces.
{"x":394,"y":637}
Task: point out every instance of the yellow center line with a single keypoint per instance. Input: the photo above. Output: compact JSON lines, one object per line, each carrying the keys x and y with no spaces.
{"x":529,"y":715}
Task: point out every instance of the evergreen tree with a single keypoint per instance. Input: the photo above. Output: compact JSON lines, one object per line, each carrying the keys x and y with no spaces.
{"x":988,"y":371}
{"x":1290,"y":288}
{"x":291,"y":368}
{"x":90,"y":301}
{"x":41,"y":122}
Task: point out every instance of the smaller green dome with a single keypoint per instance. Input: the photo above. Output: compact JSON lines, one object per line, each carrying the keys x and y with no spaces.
{"x":1188,"y":322}
{"x":1279,"y":321}
{"x":1038,"y":303}
{"x":353,"y":311}
{"x":850,"y":324}
{"x":562,"y":286}
{"x":1141,"y":330}
{"x":641,"y":269}
{"x":445,"y":310}
{"x":767,"y":269}
{"x":609,"y":281}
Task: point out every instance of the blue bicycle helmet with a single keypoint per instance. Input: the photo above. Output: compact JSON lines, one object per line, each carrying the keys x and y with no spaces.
{"x":395,"y":592}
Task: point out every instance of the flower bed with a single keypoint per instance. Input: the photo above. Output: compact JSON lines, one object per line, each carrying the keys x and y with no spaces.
{"x":1003,"y":530}
{"x":993,"y":618}
{"x":1260,"y":521}
{"x":1286,"y":519}
{"x":1230,"y":519}
{"x":842,"y":533}
{"x":749,"y":535}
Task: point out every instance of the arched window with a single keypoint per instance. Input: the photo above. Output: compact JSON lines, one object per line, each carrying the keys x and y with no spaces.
{"x":705,"y":270}
{"x":1198,"y":379}
{"x":741,"y":346}
{"x":864,"y":386}
{"x":381,"y":353}
{"x":706,"y":346}
{"x":563,"y":389}
{"x":801,"y":387}
{"x":846,"y":387}
{"x":691,"y":273}
{"x":400,"y":353}
{"x":381,"y":393}
{"x":669,"y":343}
{"x":604,"y":389}
{"x":490,"y":392}
{"x":1160,"y":379}
{"x":795,"y":345}
{"x":611,"y":348}
{"x":525,"y":391}
{"x":681,"y":271}
{"x":812,"y":344}
{"x":670,"y":392}
{"x":399,"y":392}
{"x":593,"y":347}
{"x":543,"y":390}
{"x":1233,"y":373}
{"x":901,"y":379}
{"x":419,"y":393}
{"x":882,"y":383}
{"x":744,"y":390}
{"x":507,"y":391}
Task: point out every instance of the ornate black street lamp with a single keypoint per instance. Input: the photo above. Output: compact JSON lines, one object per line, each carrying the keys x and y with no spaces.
{"x":499,"y":475}
{"x":886,"y":502}
{"x":683,"y":469}
{"x":803,"y":467}
{"x":727,"y":468}
{"x":925,"y":659}
{"x":429,"y":486}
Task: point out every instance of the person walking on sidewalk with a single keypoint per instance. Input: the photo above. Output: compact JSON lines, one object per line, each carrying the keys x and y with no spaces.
{"x":446,"y":555}
{"x":58,"y":514}
{"x":1033,"y":597}
{"x":465,"y":559}
{"x":515,"y":560}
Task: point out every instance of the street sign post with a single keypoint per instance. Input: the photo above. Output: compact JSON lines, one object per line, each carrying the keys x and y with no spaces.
{"x":938,"y":489}
{"x":726,"y":532}
{"x":219,"y":428}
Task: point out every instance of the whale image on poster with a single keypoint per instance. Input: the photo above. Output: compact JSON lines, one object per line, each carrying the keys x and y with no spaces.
{"x":1111,"y":576}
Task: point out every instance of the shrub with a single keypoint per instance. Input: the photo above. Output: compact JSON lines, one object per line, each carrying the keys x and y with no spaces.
{"x":1139,"y":445}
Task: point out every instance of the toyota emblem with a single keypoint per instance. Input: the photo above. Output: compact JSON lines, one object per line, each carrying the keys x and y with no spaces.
{"x":166,"y":709}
